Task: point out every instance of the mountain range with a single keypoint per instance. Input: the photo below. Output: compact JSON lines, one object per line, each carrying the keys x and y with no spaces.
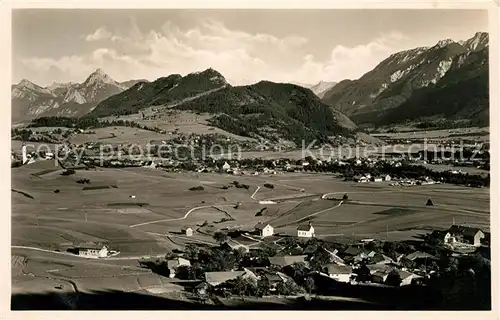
{"x":262,"y":110}
{"x":448,"y":81}
{"x":70,"y":99}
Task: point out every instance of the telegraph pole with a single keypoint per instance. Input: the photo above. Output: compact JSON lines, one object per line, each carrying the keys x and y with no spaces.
{"x":386,"y":232}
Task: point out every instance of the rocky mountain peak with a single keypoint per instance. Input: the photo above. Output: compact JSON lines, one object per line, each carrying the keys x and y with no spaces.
{"x":99,"y":76}
{"x":444,"y":43}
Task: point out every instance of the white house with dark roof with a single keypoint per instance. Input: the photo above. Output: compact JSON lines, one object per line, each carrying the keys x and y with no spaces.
{"x":305,"y":230}
{"x":187,"y":231}
{"x":264,"y":229}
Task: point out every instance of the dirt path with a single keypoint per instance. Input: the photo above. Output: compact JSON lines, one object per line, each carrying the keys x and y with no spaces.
{"x":181,"y":218}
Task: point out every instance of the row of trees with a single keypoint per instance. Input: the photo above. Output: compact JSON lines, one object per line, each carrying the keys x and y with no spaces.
{"x":88,"y":122}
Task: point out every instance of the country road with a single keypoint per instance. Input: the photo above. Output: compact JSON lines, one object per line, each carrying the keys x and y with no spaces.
{"x":192,"y":210}
{"x":77,"y":256}
{"x":312,"y":215}
{"x":181,"y":218}
{"x":253,"y":194}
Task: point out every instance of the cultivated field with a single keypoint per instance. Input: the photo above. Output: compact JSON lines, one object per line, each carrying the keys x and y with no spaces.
{"x":149,"y":224}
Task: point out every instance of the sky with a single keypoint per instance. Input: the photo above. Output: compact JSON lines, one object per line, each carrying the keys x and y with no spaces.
{"x":245,"y":46}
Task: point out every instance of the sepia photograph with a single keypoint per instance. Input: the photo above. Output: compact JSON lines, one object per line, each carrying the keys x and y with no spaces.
{"x":250,"y":159}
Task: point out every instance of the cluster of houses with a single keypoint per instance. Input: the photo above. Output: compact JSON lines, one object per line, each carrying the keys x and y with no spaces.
{"x":367,"y":178}
{"x":344,"y":266}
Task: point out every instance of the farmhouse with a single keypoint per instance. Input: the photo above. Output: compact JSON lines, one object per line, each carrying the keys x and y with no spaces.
{"x":462,"y":234}
{"x":187,"y":231}
{"x":234,"y":245}
{"x":418,"y":255}
{"x":360,"y":179}
{"x":174,"y":264}
{"x":305,"y":231}
{"x":276,"y":278}
{"x":219,"y":277}
{"x":381,"y":259}
{"x":92,"y":251}
{"x":387,"y":178}
{"x":339,"y":273}
{"x":264,"y":229}
{"x":380,"y":276}
{"x":407,"y":277}
{"x":284,"y":261}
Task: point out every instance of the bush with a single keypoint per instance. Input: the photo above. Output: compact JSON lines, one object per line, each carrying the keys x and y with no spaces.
{"x":199,"y":188}
{"x":268,"y":185}
{"x":68,"y":172}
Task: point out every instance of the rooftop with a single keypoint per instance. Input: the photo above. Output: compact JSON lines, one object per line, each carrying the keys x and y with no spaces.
{"x":304,"y":227}
{"x":284,"y":261}
{"x":337,"y":269}
{"x":466,"y":231}
{"x":222,"y":276}
{"x":261,"y":225}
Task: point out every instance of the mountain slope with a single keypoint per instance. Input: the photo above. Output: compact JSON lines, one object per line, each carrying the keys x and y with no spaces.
{"x":462,"y":94}
{"x":272,"y":111}
{"x":267,"y":110}
{"x":163,"y":91}
{"x":322,"y":87}
{"x":384,"y":89}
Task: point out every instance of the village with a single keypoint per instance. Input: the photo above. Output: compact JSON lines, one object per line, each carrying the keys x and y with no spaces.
{"x":261,"y":263}
{"x":398,"y":169}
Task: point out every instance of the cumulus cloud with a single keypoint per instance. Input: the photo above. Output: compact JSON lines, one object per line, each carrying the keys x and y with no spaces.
{"x":240,"y":56}
{"x":99,"y":34}
{"x":350,"y":62}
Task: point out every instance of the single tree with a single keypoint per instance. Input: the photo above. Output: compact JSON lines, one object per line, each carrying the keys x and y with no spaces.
{"x":393,"y":279}
{"x":310,"y":285}
{"x":429,"y":202}
{"x":345,"y":197}
{"x":220,"y":237}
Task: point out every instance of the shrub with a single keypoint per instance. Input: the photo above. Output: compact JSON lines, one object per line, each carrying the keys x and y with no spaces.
{"x":198,"y":188}
{"x":268,"y":185}
{"x":68,"y":172}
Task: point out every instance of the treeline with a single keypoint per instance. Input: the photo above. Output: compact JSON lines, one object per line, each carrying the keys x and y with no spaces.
{"x":405,"y":171}
{"x":88,"y":122}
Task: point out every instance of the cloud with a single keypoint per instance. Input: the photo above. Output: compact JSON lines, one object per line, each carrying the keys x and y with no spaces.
{"x":350,"y":62}
{"x":99,"y":34}
{"x":242,"y":57}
